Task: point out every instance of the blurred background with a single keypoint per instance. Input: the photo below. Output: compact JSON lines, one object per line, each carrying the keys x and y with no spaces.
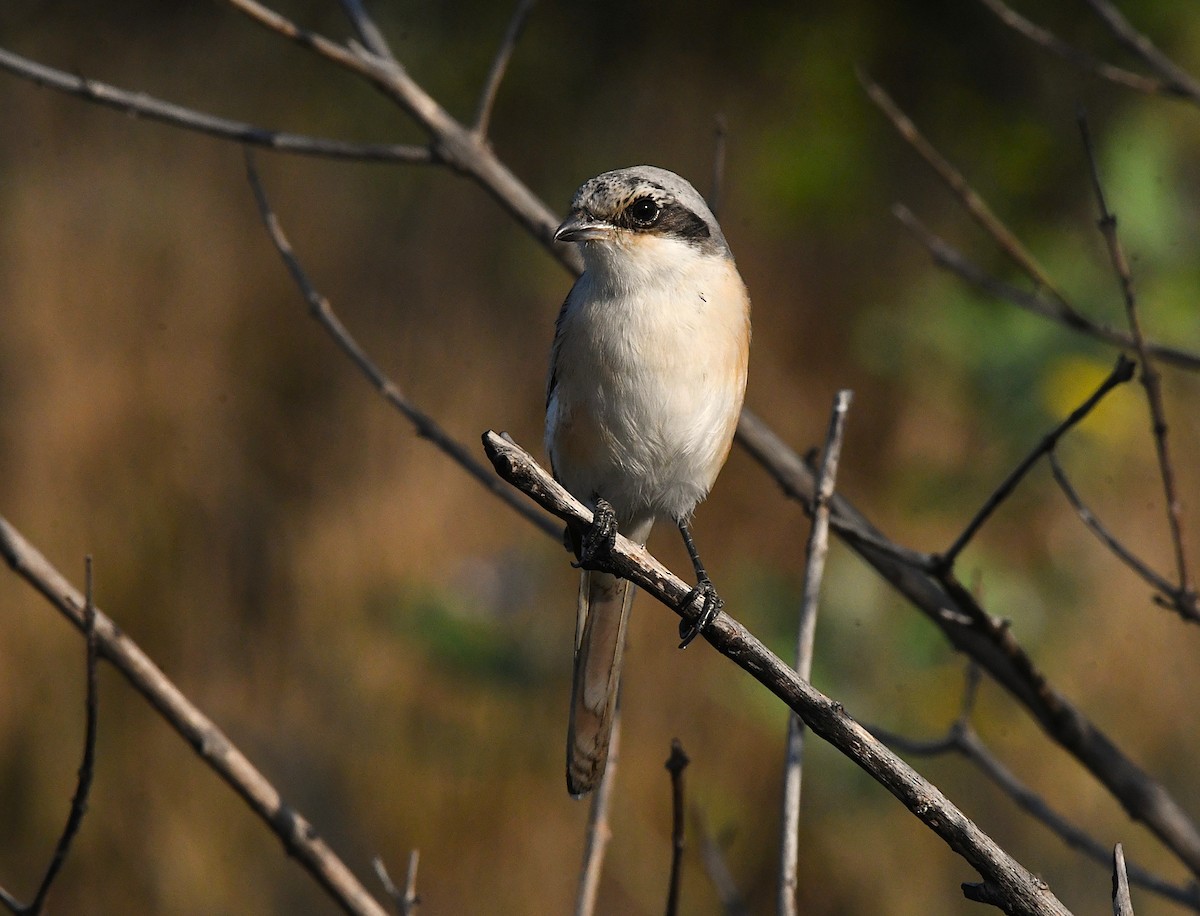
{"x":390,"y":644}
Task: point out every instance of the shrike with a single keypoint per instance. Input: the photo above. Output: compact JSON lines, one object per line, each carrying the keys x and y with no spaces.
{"x":647,"y":375}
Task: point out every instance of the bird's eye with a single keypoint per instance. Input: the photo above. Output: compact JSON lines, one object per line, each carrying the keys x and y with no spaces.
{"x":644,"y":211}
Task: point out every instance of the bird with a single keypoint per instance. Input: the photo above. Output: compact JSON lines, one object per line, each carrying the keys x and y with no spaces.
{"x":647,"y":376}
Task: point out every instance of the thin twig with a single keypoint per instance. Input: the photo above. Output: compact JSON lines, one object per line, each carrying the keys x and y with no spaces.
{"x":1150,"y":378}
{"x":990,"y":642}
{"x":1122,"y":902}
{"x":300,"y":839}
{"x":1121,"y":373}
{"x":962,"y":738}
{"x":717,"y":869}
{"x":971,"y":201}
{"x":87,"y":768}
{"x":491,"y":86}
{"x":426,"y":426}
{"x":720,"y":142}
{"x":368,"y":32}
{"x":1021,"y":890}
{"x":1168,"y":591}
{"x":145,"y":106}
{"x":598,"y":832}
{"x":1048,"y":41}
{"x":814,"y":570}
{"x":406,"y":901}
{"x":676,"y":763}
{"x":947,"y":257}
{"x":1178,"y":79}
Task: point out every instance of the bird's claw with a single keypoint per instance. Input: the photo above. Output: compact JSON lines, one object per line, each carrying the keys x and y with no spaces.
{"x":597,"y":541}
{"x":711,"y":606}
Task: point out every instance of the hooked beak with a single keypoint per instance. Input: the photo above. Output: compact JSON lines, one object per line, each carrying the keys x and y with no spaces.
{"x":580,"y":226}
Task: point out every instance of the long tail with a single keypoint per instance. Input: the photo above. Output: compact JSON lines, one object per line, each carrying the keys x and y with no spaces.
{"x":604,"y":602}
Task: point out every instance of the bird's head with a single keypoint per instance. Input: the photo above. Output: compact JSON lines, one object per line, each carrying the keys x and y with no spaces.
{"x":641,"y":213}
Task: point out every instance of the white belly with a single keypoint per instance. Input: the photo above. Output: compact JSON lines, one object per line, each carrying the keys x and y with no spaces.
{"x":647,"y":390}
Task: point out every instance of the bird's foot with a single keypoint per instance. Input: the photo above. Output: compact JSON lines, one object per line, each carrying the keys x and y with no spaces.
{"x":597,"y":541}
{"x":711,"y":606}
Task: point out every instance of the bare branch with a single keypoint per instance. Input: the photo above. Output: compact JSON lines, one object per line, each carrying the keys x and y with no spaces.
{"x":368,"y":32}
{"x":971,"y":201}
{"x":676,"y":764}
{"x":950,"y":258}
{"x":406,"y":901}
{"x":717,"y":869}
{"x":1169,"y":592}
{"x":1149,"y":377}
{"x":300,"y":839}
{"x":990,"y":642}
{"x":598,"y":832}
{"x":87,"y":768}
{"x":1048,"y":41}
{"x":487,"y":99}
{"x":1022,"y":891}
{"x":814,"y":570}
{"x":961,"y":738}
{"x":426,"y":426}
{"x":145,"y":106}
{"x":1178,"y":80}
{"x":1121,"y":373}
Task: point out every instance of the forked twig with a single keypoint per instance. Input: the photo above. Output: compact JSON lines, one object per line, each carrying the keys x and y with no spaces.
{"x":962,"y":738}
{"x":1048,"y":41}
{"x":1167,"y":593}
{"x":950,"y":258}
{"x":368,"y":32}
{"x":406,"y":901}
{"x":1121,"y":373}
{"x":1178,"y":80}
{"x":814,"y":569}
{"x":970,"y":199}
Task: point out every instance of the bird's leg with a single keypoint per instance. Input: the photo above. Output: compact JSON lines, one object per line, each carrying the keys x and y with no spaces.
{"x":712,"y":602}
{"x":594,"y":545}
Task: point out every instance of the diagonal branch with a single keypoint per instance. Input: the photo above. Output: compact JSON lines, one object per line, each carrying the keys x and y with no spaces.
{"x":425,"y":425}
{"x":950,"y":258}
{"x":1178,"y":80}
{"x":1167,"y":592}
{"x":300,"y":839}
{"x":1048,"y":41}
{"x":1121,"y":373}
{"x":145,"y":106}
{"x":1020,"y":891}
{"x":962,"y":738}
{"x":971,"y":201}
{"x":990,"y":642}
